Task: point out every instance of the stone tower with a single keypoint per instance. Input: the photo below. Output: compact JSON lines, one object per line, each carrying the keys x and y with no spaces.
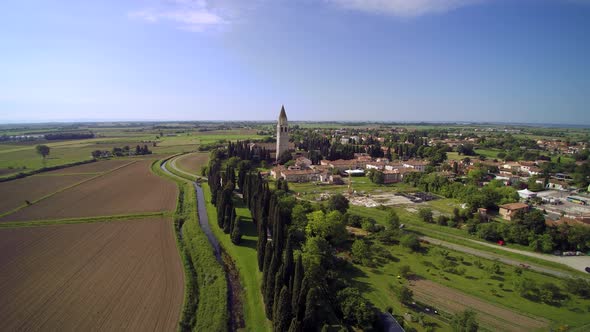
{"x":282,"y":133}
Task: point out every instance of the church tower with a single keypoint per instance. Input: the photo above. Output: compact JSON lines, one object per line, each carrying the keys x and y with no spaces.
{"x":282,"y":133}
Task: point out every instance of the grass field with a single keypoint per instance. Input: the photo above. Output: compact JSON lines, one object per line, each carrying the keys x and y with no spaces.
{"x":22,"y":157}
{"x":246,"y":262}
{"x":475,"y":280}
{"x":109,"y":276}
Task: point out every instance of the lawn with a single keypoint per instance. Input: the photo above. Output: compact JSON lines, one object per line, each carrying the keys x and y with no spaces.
{"x":244,"y":256}
{"x":475,"y":279}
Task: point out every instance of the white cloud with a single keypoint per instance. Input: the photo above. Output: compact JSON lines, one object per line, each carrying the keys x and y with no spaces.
{"x":403,"y":8}
{"x":196,"y":15}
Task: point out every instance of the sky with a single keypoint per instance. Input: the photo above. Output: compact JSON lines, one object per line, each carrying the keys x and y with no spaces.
{"x":325,"y":60}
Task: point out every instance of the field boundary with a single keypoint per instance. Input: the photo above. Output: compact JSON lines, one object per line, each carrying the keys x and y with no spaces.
{"x":85,"y":220}
{"x":64,"y":189}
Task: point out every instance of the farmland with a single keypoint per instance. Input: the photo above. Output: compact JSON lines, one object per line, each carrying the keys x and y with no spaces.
{"x":192,"y":163}
{"x":122,"y":275}
{"x":14,"y":193}
{"x":129,"y":189}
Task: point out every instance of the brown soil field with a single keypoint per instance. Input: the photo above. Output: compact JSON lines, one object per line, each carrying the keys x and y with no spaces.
{"x":96,"y":167}
{"x":489,"y":315}
{"x":191,"y":163}
{"x":128,"y":190}
{"x":121,"y":275}
{"x":14,"y":193}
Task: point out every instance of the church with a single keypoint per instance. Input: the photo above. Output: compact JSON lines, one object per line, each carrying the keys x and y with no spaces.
{"x":282,"y":144}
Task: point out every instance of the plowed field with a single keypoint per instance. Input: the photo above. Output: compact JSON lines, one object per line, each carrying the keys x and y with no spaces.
{"x":95,"y":167}
{"x":130,"y":189}
{"x":14,"y":193}
{"x":491,"y":316}
{"x":192,"y":163}
{"x":123,"y":275}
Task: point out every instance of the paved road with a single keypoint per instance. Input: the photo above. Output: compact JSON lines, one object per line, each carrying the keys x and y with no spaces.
{"x":492,"y":256}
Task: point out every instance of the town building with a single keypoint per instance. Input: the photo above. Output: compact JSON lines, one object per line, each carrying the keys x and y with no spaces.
{"x":507,"y":211}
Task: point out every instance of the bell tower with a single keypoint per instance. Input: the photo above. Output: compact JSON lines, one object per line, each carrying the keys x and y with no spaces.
{"x":282,"y":133}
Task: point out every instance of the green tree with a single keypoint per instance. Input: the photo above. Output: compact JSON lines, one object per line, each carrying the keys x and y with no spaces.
{"x":43,"y":150}
{"x":329,"y":226}
{"x":361,"y":252}
{"x":426,"y":215}
{"x":236,"y":234}
{"x":406,"y":296}
{"x":410,"y":241}
{"x":282,"y":319}
{"x":338,"y":203}
{"x":465,"y":322}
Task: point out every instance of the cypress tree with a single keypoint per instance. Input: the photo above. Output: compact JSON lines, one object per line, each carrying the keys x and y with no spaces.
{"x":295,"y":325}
{"x":261,"y":244}
{"x":277,"y":291}
{"x":297,"y":280}
{"x":283,"y":314}
{"x":232,"y":220}
{"x":269,"y":291}
{"x":266,"y":266}
{"x":227,"y":219}
{"x":310,"y":319}
{"x":301,"y":301}
{"x":236,"y":234}
{"x":288,"y":261}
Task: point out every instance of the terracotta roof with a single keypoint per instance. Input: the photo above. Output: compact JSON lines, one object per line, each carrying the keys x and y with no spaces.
{"x":514,"y":206}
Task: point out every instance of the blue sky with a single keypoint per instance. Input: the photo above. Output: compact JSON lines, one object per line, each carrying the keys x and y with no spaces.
{"x":374,"y":60}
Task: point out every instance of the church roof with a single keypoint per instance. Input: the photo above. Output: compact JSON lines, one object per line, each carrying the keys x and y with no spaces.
{"x":283,"y":115}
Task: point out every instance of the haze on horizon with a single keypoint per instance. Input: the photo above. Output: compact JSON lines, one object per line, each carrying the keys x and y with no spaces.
{"x":341,"y":60}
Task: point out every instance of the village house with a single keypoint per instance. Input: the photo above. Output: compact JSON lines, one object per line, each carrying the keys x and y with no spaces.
{"x":556,"y":184}
{"x":507,"y":211}
{"x":396,"y":175}
{"x":419,"y":165}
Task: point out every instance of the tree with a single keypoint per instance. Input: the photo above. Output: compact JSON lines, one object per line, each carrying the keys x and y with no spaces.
{"x":43,"y":150}
{"x":96,"y":154}
{"x":410,"y":241}
{"x":329,"y":226}
{"x":406,"y":296}
{"x":284,"y":157}
{"x":465,"y":322}
{"x":405,"y":271}
{"x":236,"y":234}
{"x":311,"y":319}
{"x":361,"y":252}
{"x":356,"y":310}
{"x":338,"y":203}
{"x":426,"y":215}
{"x":282,"y":318}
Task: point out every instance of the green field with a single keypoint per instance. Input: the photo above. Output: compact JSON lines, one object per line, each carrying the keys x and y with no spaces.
{"x":22,"y":157}
{"x":379,"y":282}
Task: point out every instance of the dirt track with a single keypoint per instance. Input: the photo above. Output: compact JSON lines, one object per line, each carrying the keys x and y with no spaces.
{"x":123,"y":275}
{"x":489,"y":315}
{"x":14,"y":193}
{"x":130,"y":189}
